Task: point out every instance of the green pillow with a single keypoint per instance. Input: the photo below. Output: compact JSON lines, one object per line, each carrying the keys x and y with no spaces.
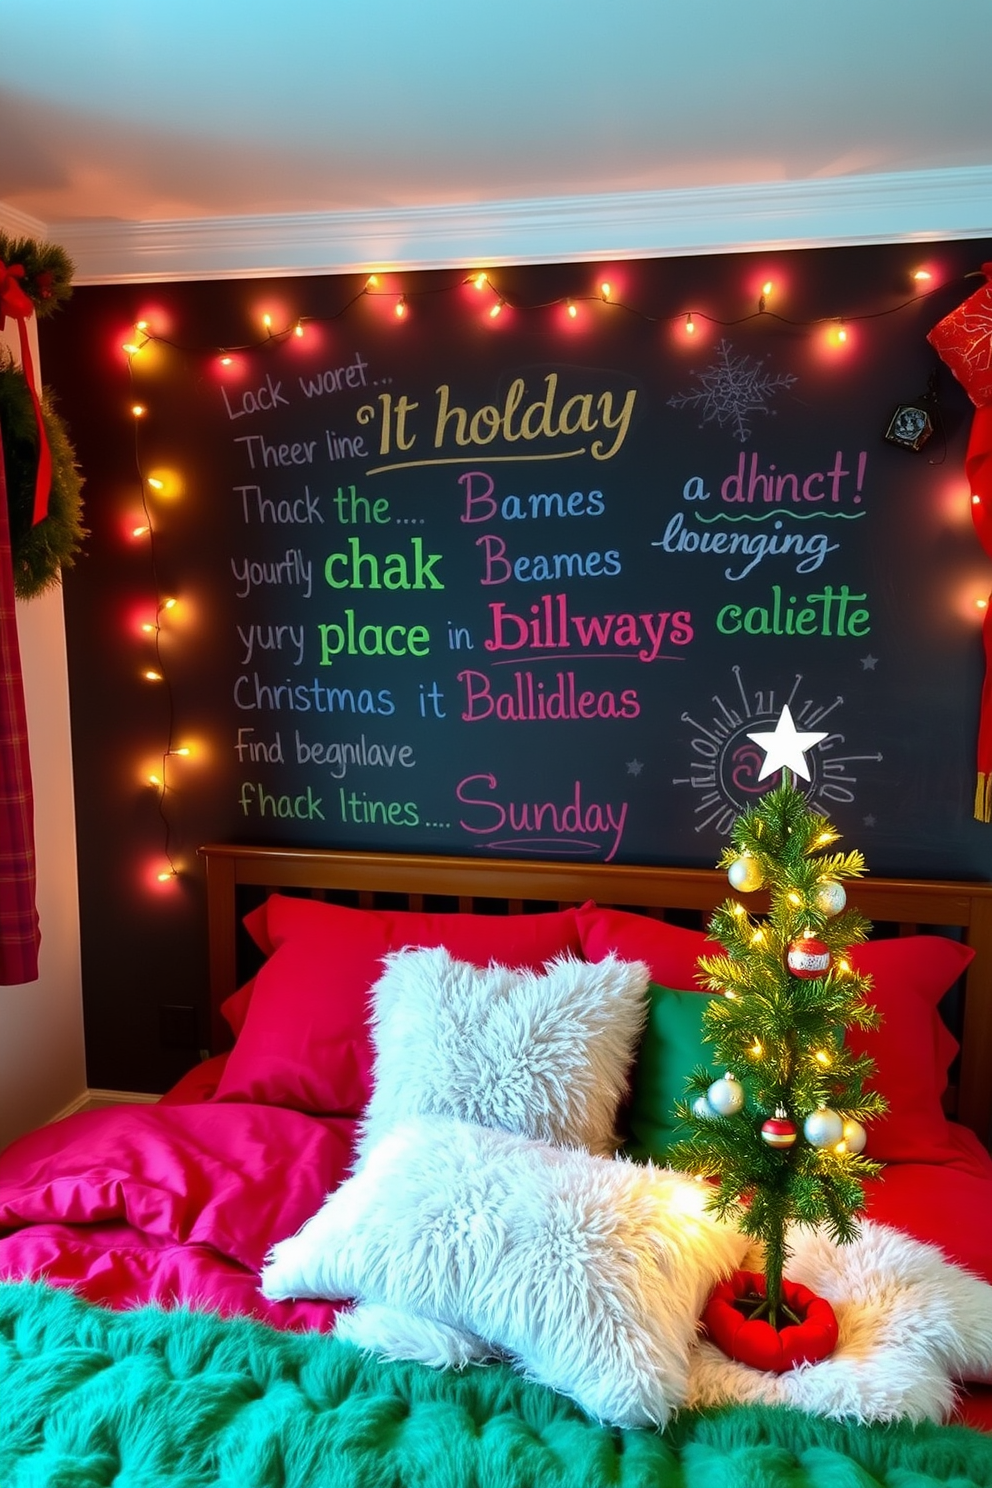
{"x":672,"y":1047}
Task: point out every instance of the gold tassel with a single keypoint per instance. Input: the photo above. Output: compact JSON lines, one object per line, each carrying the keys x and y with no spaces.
{"x":983,"y":798}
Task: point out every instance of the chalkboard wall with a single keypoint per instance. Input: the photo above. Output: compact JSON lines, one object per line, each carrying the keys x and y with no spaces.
{"x":515,"y":584}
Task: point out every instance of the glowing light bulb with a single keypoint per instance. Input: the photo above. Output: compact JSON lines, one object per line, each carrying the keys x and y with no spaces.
{"x":141,"y":325}
{"x":822,"y":1057}
{"x":794,"y":898}
{"x":226,"y":361}
{"x":372,"y":282}
{"x":496,"y":310}
{"x":155,"y":483}
{"x":267,"y":321}
{"x":690,"y":325}
{"x":922,"y":276}
{"x":298,"y":329}
{"x":976,"y":500}
{"x":766,"y":288}
{"x":140,"y":531}
{"x":756,"y":1050}
{"x":606,"y":289}
{"x":149,"y":627}
{"x":138,"y":410}
{"x":155,"y":780}
{"x":572,"y":310}
{"x":400,"y":310}
{"x":981,"y":604}
{"x":131,"y":348}
{"x":841,"y":333}
{"x":481,"y":280}
{"x":184,"y":750}
{"x":169,"y":604}
{"x":152,"y":676}
{"x":165,"y":875}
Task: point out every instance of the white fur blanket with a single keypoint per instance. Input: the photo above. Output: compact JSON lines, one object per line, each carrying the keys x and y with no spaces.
{"x":911,"y":1325}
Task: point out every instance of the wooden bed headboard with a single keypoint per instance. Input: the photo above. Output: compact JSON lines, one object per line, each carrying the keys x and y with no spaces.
{"x":463,"y":884}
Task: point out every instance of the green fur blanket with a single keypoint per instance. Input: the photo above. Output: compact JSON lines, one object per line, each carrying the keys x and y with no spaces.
{"x":149,"y":1398}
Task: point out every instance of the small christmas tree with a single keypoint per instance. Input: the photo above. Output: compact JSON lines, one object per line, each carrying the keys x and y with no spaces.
{"x":780,"y":1131}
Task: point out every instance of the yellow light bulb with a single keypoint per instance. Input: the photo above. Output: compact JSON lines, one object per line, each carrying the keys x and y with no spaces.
{"x":166,"y":875}
{"x":606,"y":289}
{"x":184,"y":751}
{"x":372,"y":282}
{"x":922,"y":276}
{"x":298,"y":329}
{"x":226,"y":361}
{"x":131,"y":349}
{"x":149,"y":628}
{"x":169,"y":604}
{"x":156,"y":484}
{"x":690,"y":326}
{"x":151,"y":676}
{"x":822,"y":1057}
{"x":267,"y":321}
{"x":154,"y":780}
{"x":496,"y":310}
{"x":142,"y":325}
{"x":572,"y":310}
{"x":793,"y":897}
{"x":756,"y":1050}
{"x":140,"y":531}
{"x":481,"y":280}
{"x":137,"y":409}
{"x":400,"y":310}
{"x":766,"y":288}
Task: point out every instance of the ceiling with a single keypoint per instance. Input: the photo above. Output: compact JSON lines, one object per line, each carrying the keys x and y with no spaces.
{"x":115,"y":113}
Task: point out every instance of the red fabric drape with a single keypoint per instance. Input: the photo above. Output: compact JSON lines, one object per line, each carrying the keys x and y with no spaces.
{"x":19,"y":934}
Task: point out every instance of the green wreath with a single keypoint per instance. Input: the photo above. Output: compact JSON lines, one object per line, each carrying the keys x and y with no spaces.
{"x":47,"y":269}
{"x":39,"y":552}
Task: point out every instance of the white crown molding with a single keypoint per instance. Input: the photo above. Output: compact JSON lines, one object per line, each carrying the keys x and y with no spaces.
{"x":19,"y":224}
{"x":905,"y":206}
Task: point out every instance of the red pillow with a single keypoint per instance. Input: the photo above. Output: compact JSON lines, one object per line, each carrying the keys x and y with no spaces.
{"x":235,"y":1007}
{"x":670,"y":951}
{"x":305,"y":1041}
{"x":912,"y":1049}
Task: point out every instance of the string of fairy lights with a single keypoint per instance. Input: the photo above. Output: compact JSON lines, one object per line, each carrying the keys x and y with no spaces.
{"x":497,"y":304}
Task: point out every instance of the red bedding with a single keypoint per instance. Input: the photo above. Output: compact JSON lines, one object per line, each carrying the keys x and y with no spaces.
{"x":166,"y":1203}
{"x":180,"y":1202}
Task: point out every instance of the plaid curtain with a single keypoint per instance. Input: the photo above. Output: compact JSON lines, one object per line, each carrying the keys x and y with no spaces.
{"x":19,"y":935}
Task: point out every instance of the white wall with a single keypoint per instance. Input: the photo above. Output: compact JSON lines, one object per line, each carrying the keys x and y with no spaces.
{"x":42,"y":1064}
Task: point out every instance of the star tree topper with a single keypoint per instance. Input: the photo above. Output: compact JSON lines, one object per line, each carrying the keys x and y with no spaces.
{"x":785,"y":748}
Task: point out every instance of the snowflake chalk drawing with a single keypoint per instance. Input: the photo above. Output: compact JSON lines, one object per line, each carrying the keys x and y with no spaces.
{"x":725,"y":770}
{"x":731,"y":389}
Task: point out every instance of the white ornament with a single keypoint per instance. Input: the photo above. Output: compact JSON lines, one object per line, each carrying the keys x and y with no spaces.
{"x":823,"y":1127}
{"x":830,"y":897}
{"x":702,"y":1109}
{"x":854,"y":1135}
{"x":726,"y":1095}
{"x":745,"y":874}
{"x":785,"y":748}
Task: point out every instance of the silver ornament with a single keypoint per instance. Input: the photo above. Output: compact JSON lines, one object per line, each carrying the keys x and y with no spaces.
{"x":745,"y":874}
{"x":702,"y":1109}
{"x":830,"y":897}
{"x":823,"y":1127}
{"x":854,"y":1135}
{"x":726,"y":1095}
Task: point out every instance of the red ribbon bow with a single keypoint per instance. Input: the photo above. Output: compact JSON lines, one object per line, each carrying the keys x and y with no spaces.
{"x":17,"y":304}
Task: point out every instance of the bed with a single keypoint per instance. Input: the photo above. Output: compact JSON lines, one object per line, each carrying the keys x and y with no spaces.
{"x":137,"y":1346}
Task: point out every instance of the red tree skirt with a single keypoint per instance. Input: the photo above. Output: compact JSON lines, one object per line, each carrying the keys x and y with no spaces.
{"x":755,"y":1341}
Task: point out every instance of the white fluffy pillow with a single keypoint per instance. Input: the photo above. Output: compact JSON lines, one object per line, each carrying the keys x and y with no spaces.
{"x":544,"y":1054}
{"x":589,"y":1272}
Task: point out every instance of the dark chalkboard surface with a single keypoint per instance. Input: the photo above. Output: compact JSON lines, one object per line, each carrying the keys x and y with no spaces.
{"x":527,"y":583}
